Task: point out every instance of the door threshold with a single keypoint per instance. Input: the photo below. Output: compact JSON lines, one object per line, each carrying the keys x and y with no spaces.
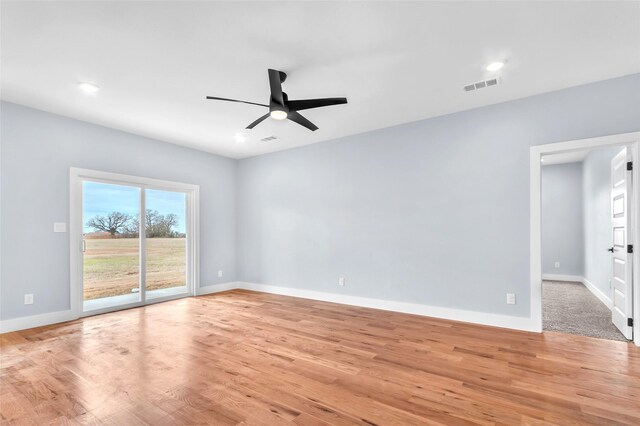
{"x":136,"y":304}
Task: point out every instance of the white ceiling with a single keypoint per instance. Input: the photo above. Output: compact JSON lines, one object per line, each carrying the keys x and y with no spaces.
{"x":396,"y":62}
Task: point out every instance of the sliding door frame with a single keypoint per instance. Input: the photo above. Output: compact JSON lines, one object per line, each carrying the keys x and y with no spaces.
{"x":192,"y":192}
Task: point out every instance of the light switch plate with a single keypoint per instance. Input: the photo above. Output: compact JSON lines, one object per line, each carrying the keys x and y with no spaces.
{"x":59,"y":227}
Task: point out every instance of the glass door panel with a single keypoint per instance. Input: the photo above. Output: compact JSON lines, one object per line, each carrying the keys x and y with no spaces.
{"x":111,"y":245}
{"x":165,"y":243}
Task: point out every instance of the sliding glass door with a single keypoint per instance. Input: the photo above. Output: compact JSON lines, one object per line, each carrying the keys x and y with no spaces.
{"x":137,"y":243}
{"x":111,"y":245}
{"x":166,"y":243}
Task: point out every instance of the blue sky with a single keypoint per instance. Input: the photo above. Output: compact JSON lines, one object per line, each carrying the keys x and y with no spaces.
{"x":102,"y":198}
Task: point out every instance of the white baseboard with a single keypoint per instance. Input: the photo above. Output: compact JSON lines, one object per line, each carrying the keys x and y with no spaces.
{"x":577,"y":278}
{"x":598,"y":293}
{"x":22,"y":323}
{"x":484,"y":318}
{"x":217,"y":288}
{"x":560,"y":277}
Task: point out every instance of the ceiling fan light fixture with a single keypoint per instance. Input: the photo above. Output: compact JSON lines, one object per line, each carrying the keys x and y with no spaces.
{"x":278,"y":114}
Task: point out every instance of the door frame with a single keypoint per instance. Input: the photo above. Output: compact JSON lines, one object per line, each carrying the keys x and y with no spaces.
{"x":631,"y":140}
{"x":76,"y":177}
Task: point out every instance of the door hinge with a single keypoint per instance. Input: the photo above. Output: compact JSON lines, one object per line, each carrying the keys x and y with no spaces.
{"x":630,"y":322}
{"x":629,"y":165}
{"x":630,"y":248}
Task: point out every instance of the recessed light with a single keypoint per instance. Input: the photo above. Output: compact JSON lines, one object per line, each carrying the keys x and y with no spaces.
{"x":87,"y":87}
{"x":278,"y":114}
{"x":240,"y":138}
{"x":495,"y":66}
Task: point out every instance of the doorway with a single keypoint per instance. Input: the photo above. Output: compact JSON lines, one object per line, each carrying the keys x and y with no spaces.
{"x":623,"y":294}
{"x":578,"y":236}
{"x":133,"y":241}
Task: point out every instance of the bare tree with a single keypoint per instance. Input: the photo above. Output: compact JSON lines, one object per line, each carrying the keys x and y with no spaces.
{"x":161,"y":226}
{"x":113,"y":223}
{"x":170,"y":221}
{"x":132,"y":228}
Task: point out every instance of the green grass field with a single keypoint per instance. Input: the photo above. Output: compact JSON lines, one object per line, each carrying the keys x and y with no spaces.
{"x":111,"y":265}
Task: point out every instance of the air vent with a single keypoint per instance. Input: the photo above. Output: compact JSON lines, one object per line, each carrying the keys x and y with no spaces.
{"x":269,"y":138}
{"x":481,"y":84}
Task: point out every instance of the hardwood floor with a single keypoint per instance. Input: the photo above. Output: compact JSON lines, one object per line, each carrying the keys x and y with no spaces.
{"x":257,"y":359}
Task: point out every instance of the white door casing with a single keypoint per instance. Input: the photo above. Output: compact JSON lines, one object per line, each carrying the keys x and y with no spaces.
{"x":621,"y":256}
{"x":537,"y":153}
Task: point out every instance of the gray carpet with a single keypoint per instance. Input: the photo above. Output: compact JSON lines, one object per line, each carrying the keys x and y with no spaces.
{"x":569,"y":307}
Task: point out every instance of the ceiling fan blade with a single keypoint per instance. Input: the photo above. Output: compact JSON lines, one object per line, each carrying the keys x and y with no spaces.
{"x":294,"y":116}
{"x":258,"y":121}
{"x":276,"y":86}
{"x":235,"y":100}
{"x":299,"y":105}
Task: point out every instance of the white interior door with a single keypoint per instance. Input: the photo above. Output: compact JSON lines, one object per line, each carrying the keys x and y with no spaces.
{"x":622,"y":249}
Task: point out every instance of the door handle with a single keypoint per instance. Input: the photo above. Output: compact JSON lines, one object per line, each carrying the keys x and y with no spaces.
{"x":84,"y":245}
{"x":610,"y":249}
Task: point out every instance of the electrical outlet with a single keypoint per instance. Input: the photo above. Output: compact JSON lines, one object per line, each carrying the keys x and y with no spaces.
{"x":28,"y":299}
{"x":557,"y":264}
{"x":220,"y":273}
{"x":59,"y":227}
{"x":511,"y":299}
{"x":341,"y":281}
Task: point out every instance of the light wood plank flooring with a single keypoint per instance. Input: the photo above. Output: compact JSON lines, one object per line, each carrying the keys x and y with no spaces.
{"x":257,"y":359}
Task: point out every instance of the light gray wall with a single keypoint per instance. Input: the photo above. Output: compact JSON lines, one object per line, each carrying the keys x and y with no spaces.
{"x":37,"y":150}
{"x":562,"y":219}
{"x":597,"y":217}
{"x":433,"y":212}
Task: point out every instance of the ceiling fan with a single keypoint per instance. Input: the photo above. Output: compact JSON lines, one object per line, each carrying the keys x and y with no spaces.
{"x":280,"y":107}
